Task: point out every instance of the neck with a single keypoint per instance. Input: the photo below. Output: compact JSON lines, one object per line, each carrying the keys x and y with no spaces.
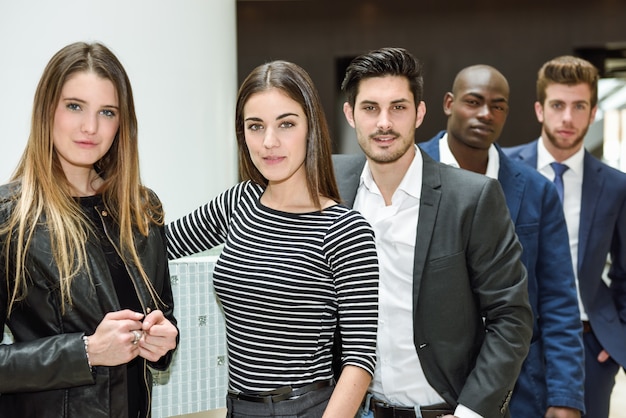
{"x":388,"y":176}
{"x":84,"y":182}
{"x":472,"y":159}
{"x":288,"y":199}
{"x":559,"y":154}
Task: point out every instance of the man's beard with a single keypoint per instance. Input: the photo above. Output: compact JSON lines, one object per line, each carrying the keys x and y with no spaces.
{"x":566,"y":147}
{"x":386,"y":156}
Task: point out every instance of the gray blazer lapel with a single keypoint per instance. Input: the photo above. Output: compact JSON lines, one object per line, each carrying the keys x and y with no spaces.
{"x":348,"y":169}
{"x":512,"y":184}
{"x":429,"y":207}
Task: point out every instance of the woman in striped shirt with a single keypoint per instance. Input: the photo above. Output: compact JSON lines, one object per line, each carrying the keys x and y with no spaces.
{"x":296,"y":264}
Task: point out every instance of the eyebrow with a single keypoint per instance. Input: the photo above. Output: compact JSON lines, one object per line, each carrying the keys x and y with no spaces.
{"x":279,"y":117}
{"x":587,"y":102}
{"x":481,"y":97}
{"x":284,"y":115}
{"x":373,"y":102}
{"x":76,"y":99}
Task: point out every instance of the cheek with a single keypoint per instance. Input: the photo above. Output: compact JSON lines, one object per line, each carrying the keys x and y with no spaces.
{"x":363,"y":120}
{"x":249,"y":143}
{"x":501,"y":120}
{"x":584,"y":118}
{"x":61,"y":125}
{"x":110,"y":130}
{"x":251,"y":148}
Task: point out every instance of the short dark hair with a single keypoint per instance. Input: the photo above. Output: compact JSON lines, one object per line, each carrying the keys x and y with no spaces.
{"x":380,"y":63}
{"x":567,"y":70}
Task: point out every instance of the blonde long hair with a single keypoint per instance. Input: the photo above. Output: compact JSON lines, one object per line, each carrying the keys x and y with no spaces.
{"x":45,"y":198}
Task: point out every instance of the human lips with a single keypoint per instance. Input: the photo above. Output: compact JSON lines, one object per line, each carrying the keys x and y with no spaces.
{"x":482,"y":129}
{"x":86,"y":143}
{"x":566,"y":132}
{"x":273,"y":159}
{"x":384,"y":137}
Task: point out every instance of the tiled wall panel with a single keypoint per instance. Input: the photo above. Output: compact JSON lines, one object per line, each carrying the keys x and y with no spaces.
{"x":197,"y":378}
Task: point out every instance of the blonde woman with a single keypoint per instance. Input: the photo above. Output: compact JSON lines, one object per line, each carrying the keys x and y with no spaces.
{"x":85,"y":284}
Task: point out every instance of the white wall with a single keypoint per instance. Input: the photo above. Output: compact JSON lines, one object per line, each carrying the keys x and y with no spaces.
{"x":181,"y":59}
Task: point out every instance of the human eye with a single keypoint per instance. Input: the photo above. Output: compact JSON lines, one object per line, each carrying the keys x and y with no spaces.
{"x":254,"y":127}
{"x":557,"y":106}
{"x":108,"y":113}
{"x":73,"y":106}
{"x":581,"y":106}
{"x":369,"y":108}
{"x":287,"y":124}
{"x":399,"y":107}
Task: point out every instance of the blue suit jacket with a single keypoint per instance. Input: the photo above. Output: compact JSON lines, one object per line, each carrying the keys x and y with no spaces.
{"x":602,"y":231}
{"x":552,"y":374}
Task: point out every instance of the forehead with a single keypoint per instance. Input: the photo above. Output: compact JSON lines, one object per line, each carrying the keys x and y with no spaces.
{"x":385,"y":89}
{"x":89,"y":85}
{"x":568,"y":93}
{"x":483,"y":83}
{"x":271,"y":101}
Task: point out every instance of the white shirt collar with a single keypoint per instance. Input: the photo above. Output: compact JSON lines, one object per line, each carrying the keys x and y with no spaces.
{"x":544,"y":158}
{"x":446,"y":157}
{"x":411,"y":183}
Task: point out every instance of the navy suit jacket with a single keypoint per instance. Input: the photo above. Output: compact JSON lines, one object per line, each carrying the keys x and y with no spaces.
{"x":471,"y":317}
{"x":602,"y":232}
{"x":554,"y":369}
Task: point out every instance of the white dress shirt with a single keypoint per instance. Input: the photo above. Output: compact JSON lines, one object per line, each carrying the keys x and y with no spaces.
{"x":446,"y":157}
{"x":398,"y":379}
{"x":572,"y":196}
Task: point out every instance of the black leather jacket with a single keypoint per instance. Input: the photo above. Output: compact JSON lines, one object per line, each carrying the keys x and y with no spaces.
{"x":45,"y":372}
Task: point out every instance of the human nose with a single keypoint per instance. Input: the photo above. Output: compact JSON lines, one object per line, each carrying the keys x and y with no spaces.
{"x":270,"y":140}
{"x":89,"y":124}
{"x":484,"y":112}
{"x":567,"y":114}
{"x":384,"y":121}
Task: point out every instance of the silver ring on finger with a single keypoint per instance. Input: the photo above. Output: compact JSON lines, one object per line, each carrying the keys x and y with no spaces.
{"x":137,"y":336}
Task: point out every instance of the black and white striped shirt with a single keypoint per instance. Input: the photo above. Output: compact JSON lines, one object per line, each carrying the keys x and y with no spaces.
{"x":282,"y":279}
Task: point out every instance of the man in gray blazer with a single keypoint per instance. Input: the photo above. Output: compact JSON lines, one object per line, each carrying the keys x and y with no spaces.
{"x":454,"y":319}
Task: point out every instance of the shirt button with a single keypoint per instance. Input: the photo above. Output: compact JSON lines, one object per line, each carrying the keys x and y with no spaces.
{"x":105,"y":213}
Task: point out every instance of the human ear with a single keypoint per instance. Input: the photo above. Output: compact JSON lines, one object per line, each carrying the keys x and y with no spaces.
{"x":421,"y":112}
{"x":448,"y":98}
{"x":349,"y":113}
{"x":539,"y":111}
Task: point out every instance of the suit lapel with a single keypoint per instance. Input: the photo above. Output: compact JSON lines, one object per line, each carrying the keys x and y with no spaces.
{"x":348,"y":169}
{"x":592,"y":187}
{"x":429,"y":207}
{"x":512,"y":185}
{"x":432,"y":146}
{"x":529,"y":154}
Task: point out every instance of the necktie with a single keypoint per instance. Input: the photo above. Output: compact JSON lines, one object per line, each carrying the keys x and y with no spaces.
{"x":559,"y":169}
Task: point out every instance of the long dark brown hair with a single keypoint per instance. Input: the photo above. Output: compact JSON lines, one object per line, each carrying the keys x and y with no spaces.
{"x":296,"y":84}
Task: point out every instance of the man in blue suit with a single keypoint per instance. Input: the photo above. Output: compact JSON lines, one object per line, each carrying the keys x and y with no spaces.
{"x":595,"y":211}
{"x":551,"y":381}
